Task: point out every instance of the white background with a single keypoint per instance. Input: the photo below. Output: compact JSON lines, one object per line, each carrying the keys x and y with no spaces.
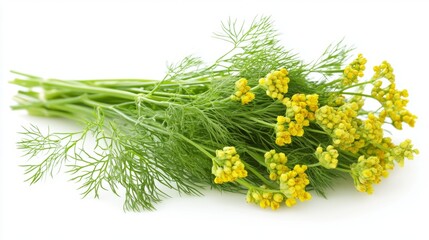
{"x":124,"y":38}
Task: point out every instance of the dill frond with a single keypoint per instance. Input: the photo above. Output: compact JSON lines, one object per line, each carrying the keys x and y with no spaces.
{"x":141,"y":137}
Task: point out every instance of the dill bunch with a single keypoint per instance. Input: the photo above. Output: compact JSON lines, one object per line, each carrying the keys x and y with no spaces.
{"x":258,"y":120}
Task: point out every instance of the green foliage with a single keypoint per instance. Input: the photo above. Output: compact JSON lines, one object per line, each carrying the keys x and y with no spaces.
{"x":141,"y":137}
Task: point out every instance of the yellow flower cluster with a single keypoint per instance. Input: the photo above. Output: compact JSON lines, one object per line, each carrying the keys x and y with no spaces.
{"x":354,"y":70}
{"x":242,"y":92}
{"x":383,"y":152}
{"x":276,"y":83}
{"x":282,"y":134}
{"x":300,"y":111}
{"x":265,"y":198}
{"x":367,"y":171}
{"x":404,"y":150}
{"x":293,"y":183}
{"x":394,"y":101}
{"x":372,"y":129}
{"x":329,"y":158}
{"x":342,"y":124}
{"x":301,"y":107}
{"x":227,"y":166}
{"x":388,"y":152}
{"x":385,"y":70}
{"x":276,"y":164}
{"x":337,"y":100}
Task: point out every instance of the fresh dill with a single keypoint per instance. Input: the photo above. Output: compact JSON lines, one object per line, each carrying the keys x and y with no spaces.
{"x":257,"y":120}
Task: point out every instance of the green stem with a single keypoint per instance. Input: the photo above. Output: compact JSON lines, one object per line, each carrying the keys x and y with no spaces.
{"x":328,"y":71}
{"x":115,"y":81}
{"x":342,"y":170}
{"x":58,"y":102}
{"x":257,"y":149}
{"x":165,"y":94}
{"x":255,"y":88}
{"x":258,"y":175}
{"x":159,"y":103}
{"x":79,"y":88}
{"x":271,"y":125}
{"x":248,"y":185}
{"x":157,"y":86}
{"x":196,"y":145}
{"x":332,"y":83}
{"x":316,"y":131}
{"x":245,"y":183}
{"x":24,"y":74}
{"x":314,"y":165}
{"x":257,"y":157}
{"x":350,"y":154}
{"x":355,"y":85}
{"x":356,"y":94}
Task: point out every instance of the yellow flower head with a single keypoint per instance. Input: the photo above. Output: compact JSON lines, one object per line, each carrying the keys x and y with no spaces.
{"x":242,"y":92}
{"x":394,"y":101}
{"x":372,"y":129}
{"x":276,"y":83}
{"x":354,"y":70}
{"x":283,"y":136}
{"x":329,"y":158}
{"x":404,"y":150}
{"x":276,"y":164}
{"x":227,"y":166}
{"x":384,"y":70}
{"x":299,"y":112}
{"x":366,"y":172}
{"x":384,"y":153}
{"x":293,"y":183}
{"x":265,"y":198}
{"x":342,"y":124}
{"x":336,"y":100}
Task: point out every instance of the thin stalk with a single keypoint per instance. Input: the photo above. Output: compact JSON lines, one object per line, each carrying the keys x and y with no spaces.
{"x":78,"y":88}
{"x":342,"y":170}
{"x":314,"y":165}
{"x":164,"y":94}
{"x":258,"y":175}
{"x":356,"y":85}
{"x":356,"y":94}
{"x":271,"y":125}
{"x":328,"y":71}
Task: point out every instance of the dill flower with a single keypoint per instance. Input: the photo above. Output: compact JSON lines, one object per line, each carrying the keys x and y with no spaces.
{"x":276,"y":164}
{"x":227,"y":166}
{"x":394,"y":101}
{"x":372,"y":129}
{"x":301,"y":107}
{"x":366,"y":172}
{"x":276,"y":83}
{"x":336,"y":100}
{"x":342,"y":125}
{"x":383,"y":152}
{"x":283,"y":136}
{"x":242,"y":92}
{"x":404,"y":150}
{"x":329,"y":158}
{"x":299,"y":112}
{"x":354,"y":70}
{"x":293,"y":183}
{"x":265,"y":197}
{"x":384,"y":70}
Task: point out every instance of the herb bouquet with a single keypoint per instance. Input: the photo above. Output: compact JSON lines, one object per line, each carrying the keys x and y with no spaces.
{"x":257,"y":120}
